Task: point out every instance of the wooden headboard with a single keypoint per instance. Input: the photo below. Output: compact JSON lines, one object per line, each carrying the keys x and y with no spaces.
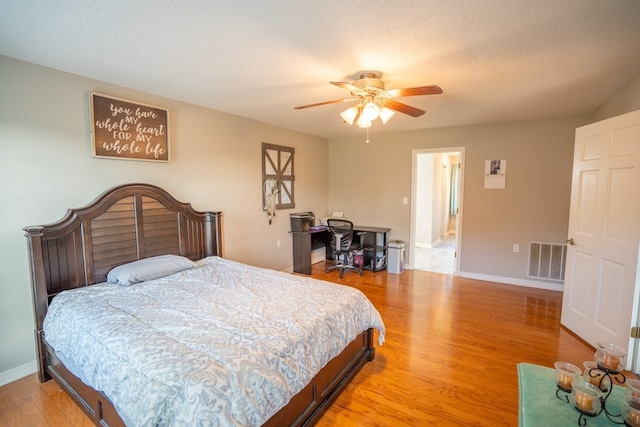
{"x":124,"y":224}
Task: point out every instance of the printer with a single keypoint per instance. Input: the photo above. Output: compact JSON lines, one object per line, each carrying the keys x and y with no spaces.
{"x":302,"y":221}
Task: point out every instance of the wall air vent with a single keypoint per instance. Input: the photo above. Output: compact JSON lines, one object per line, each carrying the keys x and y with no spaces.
{"x":547,"y":261}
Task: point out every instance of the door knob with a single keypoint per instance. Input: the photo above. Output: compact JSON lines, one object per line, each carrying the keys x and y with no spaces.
{"x":571,"y":241}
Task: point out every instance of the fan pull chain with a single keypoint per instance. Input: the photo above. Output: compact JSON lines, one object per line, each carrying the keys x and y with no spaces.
{"x":367,"y":141}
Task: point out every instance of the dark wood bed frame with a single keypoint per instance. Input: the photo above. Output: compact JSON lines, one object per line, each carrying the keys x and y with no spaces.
{"x":135,"y":221}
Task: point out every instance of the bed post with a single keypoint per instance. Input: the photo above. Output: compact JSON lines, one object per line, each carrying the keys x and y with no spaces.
{"x":371,"y":350}
{"x":213,"y":231}
{"x":40,"y":294}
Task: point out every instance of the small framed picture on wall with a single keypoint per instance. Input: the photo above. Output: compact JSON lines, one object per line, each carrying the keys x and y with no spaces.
{"x":495,"y":174}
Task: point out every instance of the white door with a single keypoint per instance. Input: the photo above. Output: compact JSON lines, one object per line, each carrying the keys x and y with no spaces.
{"x":600,"y":296}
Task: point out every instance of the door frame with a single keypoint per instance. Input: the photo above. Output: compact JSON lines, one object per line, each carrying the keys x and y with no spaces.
{"x":633,"y":356}
{"x":414,"y":194}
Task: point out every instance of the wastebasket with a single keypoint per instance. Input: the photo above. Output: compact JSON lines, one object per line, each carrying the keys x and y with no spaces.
{"x":395,"y":256}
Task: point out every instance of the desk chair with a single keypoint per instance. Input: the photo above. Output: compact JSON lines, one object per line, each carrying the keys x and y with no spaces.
{"x":343,"y":247}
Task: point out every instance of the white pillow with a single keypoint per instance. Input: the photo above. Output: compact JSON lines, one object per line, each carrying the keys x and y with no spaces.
{"x":148,"y":269}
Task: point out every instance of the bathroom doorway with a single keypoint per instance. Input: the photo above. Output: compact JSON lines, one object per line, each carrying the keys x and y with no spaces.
{"x":436,"y":213}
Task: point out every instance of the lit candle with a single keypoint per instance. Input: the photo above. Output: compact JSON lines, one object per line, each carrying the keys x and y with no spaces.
{"x":584,"y":401}
{"x":610,"y":362}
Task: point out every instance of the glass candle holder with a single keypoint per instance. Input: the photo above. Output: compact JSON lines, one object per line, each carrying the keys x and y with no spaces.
{"x":632,"y":393}
{"x":610,"y":358}
{"x":586,"y":397}
{"x":631,"y":412}
{"x":596,"y":376}
{"x":565,"y":374}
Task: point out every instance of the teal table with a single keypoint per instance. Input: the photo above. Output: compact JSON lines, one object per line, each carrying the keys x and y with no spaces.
{"x":539,"y":406}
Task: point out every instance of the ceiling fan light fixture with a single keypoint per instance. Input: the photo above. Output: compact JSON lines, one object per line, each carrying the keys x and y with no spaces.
{"x":349,"y":115}
{"x":386,"y":114}
{"x":372,"y":97}
{"x":363,"y":122}
{"x":371,"y":111}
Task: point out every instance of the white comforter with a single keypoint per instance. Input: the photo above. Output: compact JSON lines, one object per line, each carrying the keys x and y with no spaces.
{"x":220,"y":344}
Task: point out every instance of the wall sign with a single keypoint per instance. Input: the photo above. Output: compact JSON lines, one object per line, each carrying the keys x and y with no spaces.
{"x":124,"y":129}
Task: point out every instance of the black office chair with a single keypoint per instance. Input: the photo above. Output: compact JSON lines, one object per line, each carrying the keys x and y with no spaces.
{"x":343,"y":247}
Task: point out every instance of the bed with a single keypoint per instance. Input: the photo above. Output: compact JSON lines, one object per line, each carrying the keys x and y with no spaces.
{"x":75,"y":257}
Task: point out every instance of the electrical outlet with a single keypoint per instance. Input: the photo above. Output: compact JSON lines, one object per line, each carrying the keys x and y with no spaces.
{"x":405,"y":200}
{"x":516,"y":247}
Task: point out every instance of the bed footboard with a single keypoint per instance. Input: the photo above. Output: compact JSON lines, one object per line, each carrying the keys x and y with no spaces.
{"x":306,"y":407}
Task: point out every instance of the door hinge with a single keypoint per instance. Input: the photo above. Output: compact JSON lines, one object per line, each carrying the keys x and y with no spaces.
{"x":635,"y":332}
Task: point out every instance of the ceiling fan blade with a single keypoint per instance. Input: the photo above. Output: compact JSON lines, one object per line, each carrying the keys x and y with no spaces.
{"x":414,"y":91}
{"x":404,"y":108}
{"x":347,"y":86}
{"x":335,"y":101}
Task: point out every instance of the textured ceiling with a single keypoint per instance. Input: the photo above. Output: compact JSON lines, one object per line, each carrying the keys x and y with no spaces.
{"x":495,"y":60}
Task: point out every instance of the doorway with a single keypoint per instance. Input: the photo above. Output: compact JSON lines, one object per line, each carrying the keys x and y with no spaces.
{"x":436,"y":210}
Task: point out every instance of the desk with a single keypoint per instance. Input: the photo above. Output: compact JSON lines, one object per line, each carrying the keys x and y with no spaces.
{"x":539,"y":406}
{"x":375,"y":243}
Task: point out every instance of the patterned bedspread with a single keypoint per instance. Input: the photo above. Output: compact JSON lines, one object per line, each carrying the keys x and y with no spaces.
{"x":220,"y":344}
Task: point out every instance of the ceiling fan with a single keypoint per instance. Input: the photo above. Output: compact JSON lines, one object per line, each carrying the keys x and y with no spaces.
{"x":374,"y":101}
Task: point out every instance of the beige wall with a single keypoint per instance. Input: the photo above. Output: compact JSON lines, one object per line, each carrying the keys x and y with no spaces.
{"x":368,"y":182}
{"x":625,"y":100}
{"x":46,"y":167}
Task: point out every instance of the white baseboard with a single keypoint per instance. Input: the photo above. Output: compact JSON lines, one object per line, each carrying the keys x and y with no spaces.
{"x":508,"y":280}
{"x":15,"y":374}
{"x":511,"y":281}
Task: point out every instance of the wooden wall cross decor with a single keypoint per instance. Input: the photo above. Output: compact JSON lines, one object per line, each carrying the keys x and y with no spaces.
{"x":277,"y":177}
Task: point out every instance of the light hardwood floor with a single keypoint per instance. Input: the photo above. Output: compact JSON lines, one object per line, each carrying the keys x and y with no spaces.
{"x":449,"y":359}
